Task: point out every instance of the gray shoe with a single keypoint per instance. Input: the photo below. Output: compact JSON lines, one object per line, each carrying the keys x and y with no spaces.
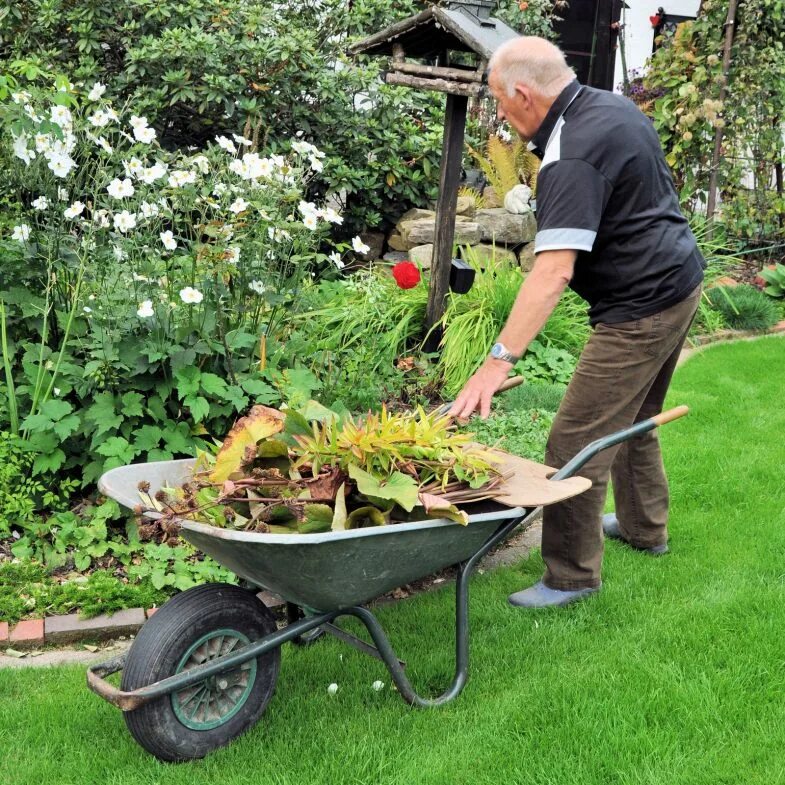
{"x":540,"y":596}
{"x":610,"y":526}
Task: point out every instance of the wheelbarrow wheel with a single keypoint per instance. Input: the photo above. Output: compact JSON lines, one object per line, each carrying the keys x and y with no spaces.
{"x":194,"y":627}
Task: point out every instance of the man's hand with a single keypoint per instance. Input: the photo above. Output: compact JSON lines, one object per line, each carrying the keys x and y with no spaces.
{"x":478,"y":391}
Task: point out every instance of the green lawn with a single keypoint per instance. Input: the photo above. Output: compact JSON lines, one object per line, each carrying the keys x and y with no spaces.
{"x":674,"y":673}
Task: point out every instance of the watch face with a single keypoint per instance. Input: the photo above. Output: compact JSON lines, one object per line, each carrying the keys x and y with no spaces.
{"x":497,"y":350}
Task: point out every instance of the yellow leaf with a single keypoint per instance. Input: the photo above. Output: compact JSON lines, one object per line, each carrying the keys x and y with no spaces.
{"x":390,"y":179}
{"x":258,"y":424}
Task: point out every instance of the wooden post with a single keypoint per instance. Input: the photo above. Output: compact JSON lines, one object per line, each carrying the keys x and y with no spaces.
{"x":452,"y":156}
{"x":730,"y":28}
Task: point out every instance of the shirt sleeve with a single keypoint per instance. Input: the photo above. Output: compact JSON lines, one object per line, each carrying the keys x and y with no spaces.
{"x":571,"y":198}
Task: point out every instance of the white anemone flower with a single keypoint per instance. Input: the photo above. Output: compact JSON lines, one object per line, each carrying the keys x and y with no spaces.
{"x":180,"y":177}
{"x":133,"y":168}
{"x":152,"y":173}
{"x":191,"y":296}
{"x":310,"y":221}
{"x":201,"y":163}
{"x":307,"y":208}
{"x":332,"y":689}
{"x":242,"y":140}
{"x":335,"y":258}
{"x":119,"y":253}
{"x":101,"y":142}
{"x":22,"y":97}
{"x":21,"y":233}
{"x":238,"y":205}
{"x":96,"y":92}
{"x":359,"y":246}
{"x":167,"y":238}
{"x":226,"y":144}
{"x":75,"y":210}
{"x":148,"y":209}
{"x":124,"y":221}
{"x":145,"y":310}
{"x":61,"y":115}
{"x":62,"y":194}
{"x":257,"y":286}
{"x":316,"y":164}
{"x":332,"y":216}
{"x":220,"y":189}
{"x":43,"y":143}
{"x":99,"y":119}
{"x":145,"y":135}
{"x":41,"y":203}
{"x":61,"y":165}
{"x":138,"y":122}
{"x":233,"y":255}
{"x":119,"y":189}
{"x":20,"y":149}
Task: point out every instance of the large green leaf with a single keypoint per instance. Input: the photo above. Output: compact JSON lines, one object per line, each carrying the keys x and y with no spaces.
{"x":400,"y":487}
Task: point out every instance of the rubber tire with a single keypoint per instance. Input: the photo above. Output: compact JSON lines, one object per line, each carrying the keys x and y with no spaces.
{"x":161,"y":644}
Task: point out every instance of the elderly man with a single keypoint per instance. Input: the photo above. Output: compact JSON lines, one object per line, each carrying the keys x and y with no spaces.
{"x":608,"y":226}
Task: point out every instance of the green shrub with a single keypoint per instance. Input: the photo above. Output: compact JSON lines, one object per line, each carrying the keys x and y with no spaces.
{"x":744,"y":307}
{"x":522,"y":432}
{"x":531,"y":396}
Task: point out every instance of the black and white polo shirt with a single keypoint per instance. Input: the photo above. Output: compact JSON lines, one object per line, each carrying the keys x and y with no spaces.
{"x":605,"y":190}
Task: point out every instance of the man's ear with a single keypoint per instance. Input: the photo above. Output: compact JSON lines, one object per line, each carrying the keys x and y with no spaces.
{"x":524,"y":93}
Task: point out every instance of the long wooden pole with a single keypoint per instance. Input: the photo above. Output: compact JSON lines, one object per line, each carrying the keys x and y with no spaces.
{"x":452,"y":156}
{"x":730,"y":30}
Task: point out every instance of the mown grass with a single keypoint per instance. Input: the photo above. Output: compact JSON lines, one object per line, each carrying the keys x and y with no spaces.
{"x":674,"y":673}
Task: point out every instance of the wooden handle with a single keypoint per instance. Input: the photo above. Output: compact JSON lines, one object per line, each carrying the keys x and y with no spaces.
{"x":671,"y":414}
{"x":508,"y":384}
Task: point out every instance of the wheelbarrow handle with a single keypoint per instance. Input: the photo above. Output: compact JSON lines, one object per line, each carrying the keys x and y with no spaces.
{"x":507,"y":384}
{"x":588,"y":452}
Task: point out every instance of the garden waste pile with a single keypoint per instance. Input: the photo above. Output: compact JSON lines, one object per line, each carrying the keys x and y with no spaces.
{"x":315,"y":470}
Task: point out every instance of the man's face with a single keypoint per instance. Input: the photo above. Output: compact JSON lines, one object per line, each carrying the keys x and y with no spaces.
{"x":517,"y":110}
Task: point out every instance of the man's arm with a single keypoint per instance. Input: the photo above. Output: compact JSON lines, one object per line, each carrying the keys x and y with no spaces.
{"x":538,"y":296}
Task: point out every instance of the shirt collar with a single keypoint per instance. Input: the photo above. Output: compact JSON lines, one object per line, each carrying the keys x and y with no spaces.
{"x":559,"y":106}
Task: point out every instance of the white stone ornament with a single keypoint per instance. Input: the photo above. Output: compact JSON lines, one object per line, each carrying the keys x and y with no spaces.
{"x":517,"y":200}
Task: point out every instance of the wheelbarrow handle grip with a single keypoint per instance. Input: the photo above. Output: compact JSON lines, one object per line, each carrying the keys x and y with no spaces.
{"x":639,"y":428}
{"x":670,"y":415}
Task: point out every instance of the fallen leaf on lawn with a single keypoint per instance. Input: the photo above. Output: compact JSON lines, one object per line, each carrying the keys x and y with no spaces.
{"x":90,"y":648}
{"x":16,"y":654}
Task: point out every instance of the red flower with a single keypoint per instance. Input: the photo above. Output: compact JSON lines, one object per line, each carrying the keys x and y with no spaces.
{"x":406,"y":275}
{"x":655,"y":21}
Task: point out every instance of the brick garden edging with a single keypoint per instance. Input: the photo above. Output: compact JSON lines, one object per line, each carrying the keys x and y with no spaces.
{"x":70,"y":629}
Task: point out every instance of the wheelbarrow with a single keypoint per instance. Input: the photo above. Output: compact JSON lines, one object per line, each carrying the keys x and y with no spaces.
{"x":202,"y":670}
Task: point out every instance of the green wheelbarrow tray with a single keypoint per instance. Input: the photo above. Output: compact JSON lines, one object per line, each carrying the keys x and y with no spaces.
{"x":324,"y":576}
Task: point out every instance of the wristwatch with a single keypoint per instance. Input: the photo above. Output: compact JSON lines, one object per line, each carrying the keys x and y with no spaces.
{"x":500,"y":352}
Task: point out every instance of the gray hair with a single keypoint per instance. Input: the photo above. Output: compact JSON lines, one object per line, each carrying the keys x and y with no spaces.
{"x":532,"y":61}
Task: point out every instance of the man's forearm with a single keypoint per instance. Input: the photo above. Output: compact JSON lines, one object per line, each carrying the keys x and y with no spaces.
{"x":537,"y":298}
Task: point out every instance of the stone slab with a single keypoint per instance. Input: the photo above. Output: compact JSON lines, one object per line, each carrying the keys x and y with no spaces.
{"x":502,"y":227}
{"x":70,"y":628}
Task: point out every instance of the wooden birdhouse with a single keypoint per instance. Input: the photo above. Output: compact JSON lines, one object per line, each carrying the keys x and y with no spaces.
{"x":445,"y":48}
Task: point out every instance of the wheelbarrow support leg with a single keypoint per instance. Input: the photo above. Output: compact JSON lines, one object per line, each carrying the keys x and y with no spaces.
{"x":387,"y":653}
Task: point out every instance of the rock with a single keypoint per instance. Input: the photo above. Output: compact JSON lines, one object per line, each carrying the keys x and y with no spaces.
{"x":395,"y":256}
{"x":485,"y":253}
{"x":415,"y":214}
{"x":375,"y":240}
{"x":526,"y":257}
{"x":422,"y":255}
{"x":466,"y":206}
{"x":395,"y":241}
{"x":490,"y":197}
{"x":502,"y":227}
{"x":422,"y":232}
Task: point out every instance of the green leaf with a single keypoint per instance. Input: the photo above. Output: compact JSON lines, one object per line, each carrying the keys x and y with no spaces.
{"x":55,"y":409}
{"x":213,"y":385}
{"x":365,"y":516}
{"x":102,"y":414}
{"x":260,"y":391}
{"x":187,"y":381}
{"x":339,"y":516}
{"x":65,"y":427}
{"x":400,"y":487}
{"x":50,"y":462}
{"x":117,"y":447}
{"x":148,"y":437}
{"x":132,"y":404}
{"x":318,"y":518}
{"x":198,"y":406}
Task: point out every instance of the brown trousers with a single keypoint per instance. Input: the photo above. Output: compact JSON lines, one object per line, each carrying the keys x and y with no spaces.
{"x":621,"y":378}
